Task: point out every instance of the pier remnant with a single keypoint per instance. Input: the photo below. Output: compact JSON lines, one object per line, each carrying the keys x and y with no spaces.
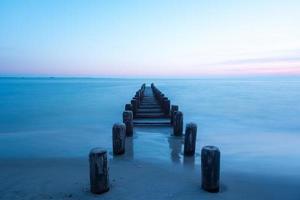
{"x":118,"y":137}
{"x":174,"y":108}
{"x":128,"y":107}
{"x":166,"y":106}
{"x":178,"y":123}
{"x":134,"y":106}
{"x":99,"y":177}
{"x":151,"y":108}
{"x":190,"y":139}
{"x":210,"y":168}
{"x":128,"y":121}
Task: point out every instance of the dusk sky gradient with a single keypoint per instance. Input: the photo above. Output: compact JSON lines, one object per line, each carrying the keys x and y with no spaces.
{"x":149,"y":38}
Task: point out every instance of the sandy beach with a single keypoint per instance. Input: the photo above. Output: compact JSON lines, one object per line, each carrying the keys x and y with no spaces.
{"x":68,"y":179}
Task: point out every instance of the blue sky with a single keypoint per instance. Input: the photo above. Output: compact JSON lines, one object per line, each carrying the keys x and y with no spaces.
{"x":149,"y":38}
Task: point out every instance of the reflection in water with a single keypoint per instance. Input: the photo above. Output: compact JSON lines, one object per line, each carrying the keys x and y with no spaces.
{"x":189,"y":162}
{"x":175,"y":145}
{"x":129,"y":153}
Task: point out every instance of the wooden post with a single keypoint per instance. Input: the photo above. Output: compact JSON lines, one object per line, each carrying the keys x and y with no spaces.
{"x":128,"y":107}
{"x":137,"y":101}
{"x":166,"y":106}
{"x":178,"y":124}
{"x":190,"y":139}
{"x":128,"y":121}
{"x":138,"y":96}
{"x":99,"y":178}
{"x":134,"y":106}
{"x":210,"y":168}
{"x":174,"y":108}
{"x":119,"y":136}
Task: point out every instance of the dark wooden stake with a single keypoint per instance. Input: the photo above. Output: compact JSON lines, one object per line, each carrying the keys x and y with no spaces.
{"x":167,"y":106}
{"x":128,"y":121}
{"x":99,"y":178}
{"x":178,"y":124}
{"x":173,"y":109}
{"x":128,"y":107}
{"x":210,"y":168}
{"x":134,"y":106}
{"x":190,"y":139}
{"x":119,"y":136}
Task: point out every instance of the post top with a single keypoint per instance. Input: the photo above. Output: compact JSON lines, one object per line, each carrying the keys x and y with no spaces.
{"x":174,"y":106}
{"x":119,"y":124}
{"x":127,"y":112}
{"x":191,"y":125}
{"x":98,"y":150}
{"x":179,"y":113}
{"x":210,"y":148}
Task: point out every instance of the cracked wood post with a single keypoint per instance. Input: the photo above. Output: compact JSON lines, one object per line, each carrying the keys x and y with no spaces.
{"x":119,"y":136}
{"x":178,"y":124}
{"x":190,"y":139}
{"x":174,"y":108}
{"x":210,"y":168}
{"x":128,"y":121}
{"x":99,"y":177}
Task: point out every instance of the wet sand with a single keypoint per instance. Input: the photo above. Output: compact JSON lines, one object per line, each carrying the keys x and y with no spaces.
{"x":133,"y":179}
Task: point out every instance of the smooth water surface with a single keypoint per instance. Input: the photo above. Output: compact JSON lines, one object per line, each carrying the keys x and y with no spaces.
{"x":253,"y":122}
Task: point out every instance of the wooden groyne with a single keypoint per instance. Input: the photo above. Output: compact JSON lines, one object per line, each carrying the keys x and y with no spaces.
{"x":150,"y":107}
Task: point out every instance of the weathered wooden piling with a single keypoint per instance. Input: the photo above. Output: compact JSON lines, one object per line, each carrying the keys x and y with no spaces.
{"x":174,"y":108}
{"x":99,"y":177}
{"x":210,"y":168}
{"x":166,"y":106}
{"x":150,"y":104}
{"x":190,"y":139}
{"x":134,"y":106}
{"x":128,"y":121}
{"x":118,"y":136}
{"x":178,"y":124}
{"x":138,"y":96}
{"x":128,"y":107}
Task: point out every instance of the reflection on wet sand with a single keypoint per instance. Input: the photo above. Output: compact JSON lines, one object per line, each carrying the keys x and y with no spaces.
{"x":189,"y":161}
{"x":129,"y":153}
{"x":175,"y":145}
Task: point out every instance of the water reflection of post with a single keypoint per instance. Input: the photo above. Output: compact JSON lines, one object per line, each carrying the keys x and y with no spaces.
{"x":129,"y":153}
{"x":175,"y":145}
{"x":189,"y":162}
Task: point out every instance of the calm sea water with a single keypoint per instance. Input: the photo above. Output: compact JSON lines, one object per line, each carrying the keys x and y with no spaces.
{"x":247,"y":118}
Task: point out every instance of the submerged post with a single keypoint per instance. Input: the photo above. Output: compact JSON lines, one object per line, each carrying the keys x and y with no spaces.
{"x":119,"y":136}
{"x":190,"y":139}
{"x":128,"y":121}
{"x":178,"y":124}
{"x":210,"y":168}
{"x":174,"y":108}
{"x":99,"y":178}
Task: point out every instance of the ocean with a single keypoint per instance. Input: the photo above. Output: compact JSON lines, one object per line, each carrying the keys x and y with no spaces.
{"x":255,"y":122}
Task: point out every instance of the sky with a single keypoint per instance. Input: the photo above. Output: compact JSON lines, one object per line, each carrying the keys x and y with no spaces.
{"x":138,"y":38}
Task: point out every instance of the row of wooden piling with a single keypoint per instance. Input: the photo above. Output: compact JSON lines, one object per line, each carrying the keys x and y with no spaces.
{"x":210,"y":155}
{"x":162,"y":99}
{"x":136,"y":101}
